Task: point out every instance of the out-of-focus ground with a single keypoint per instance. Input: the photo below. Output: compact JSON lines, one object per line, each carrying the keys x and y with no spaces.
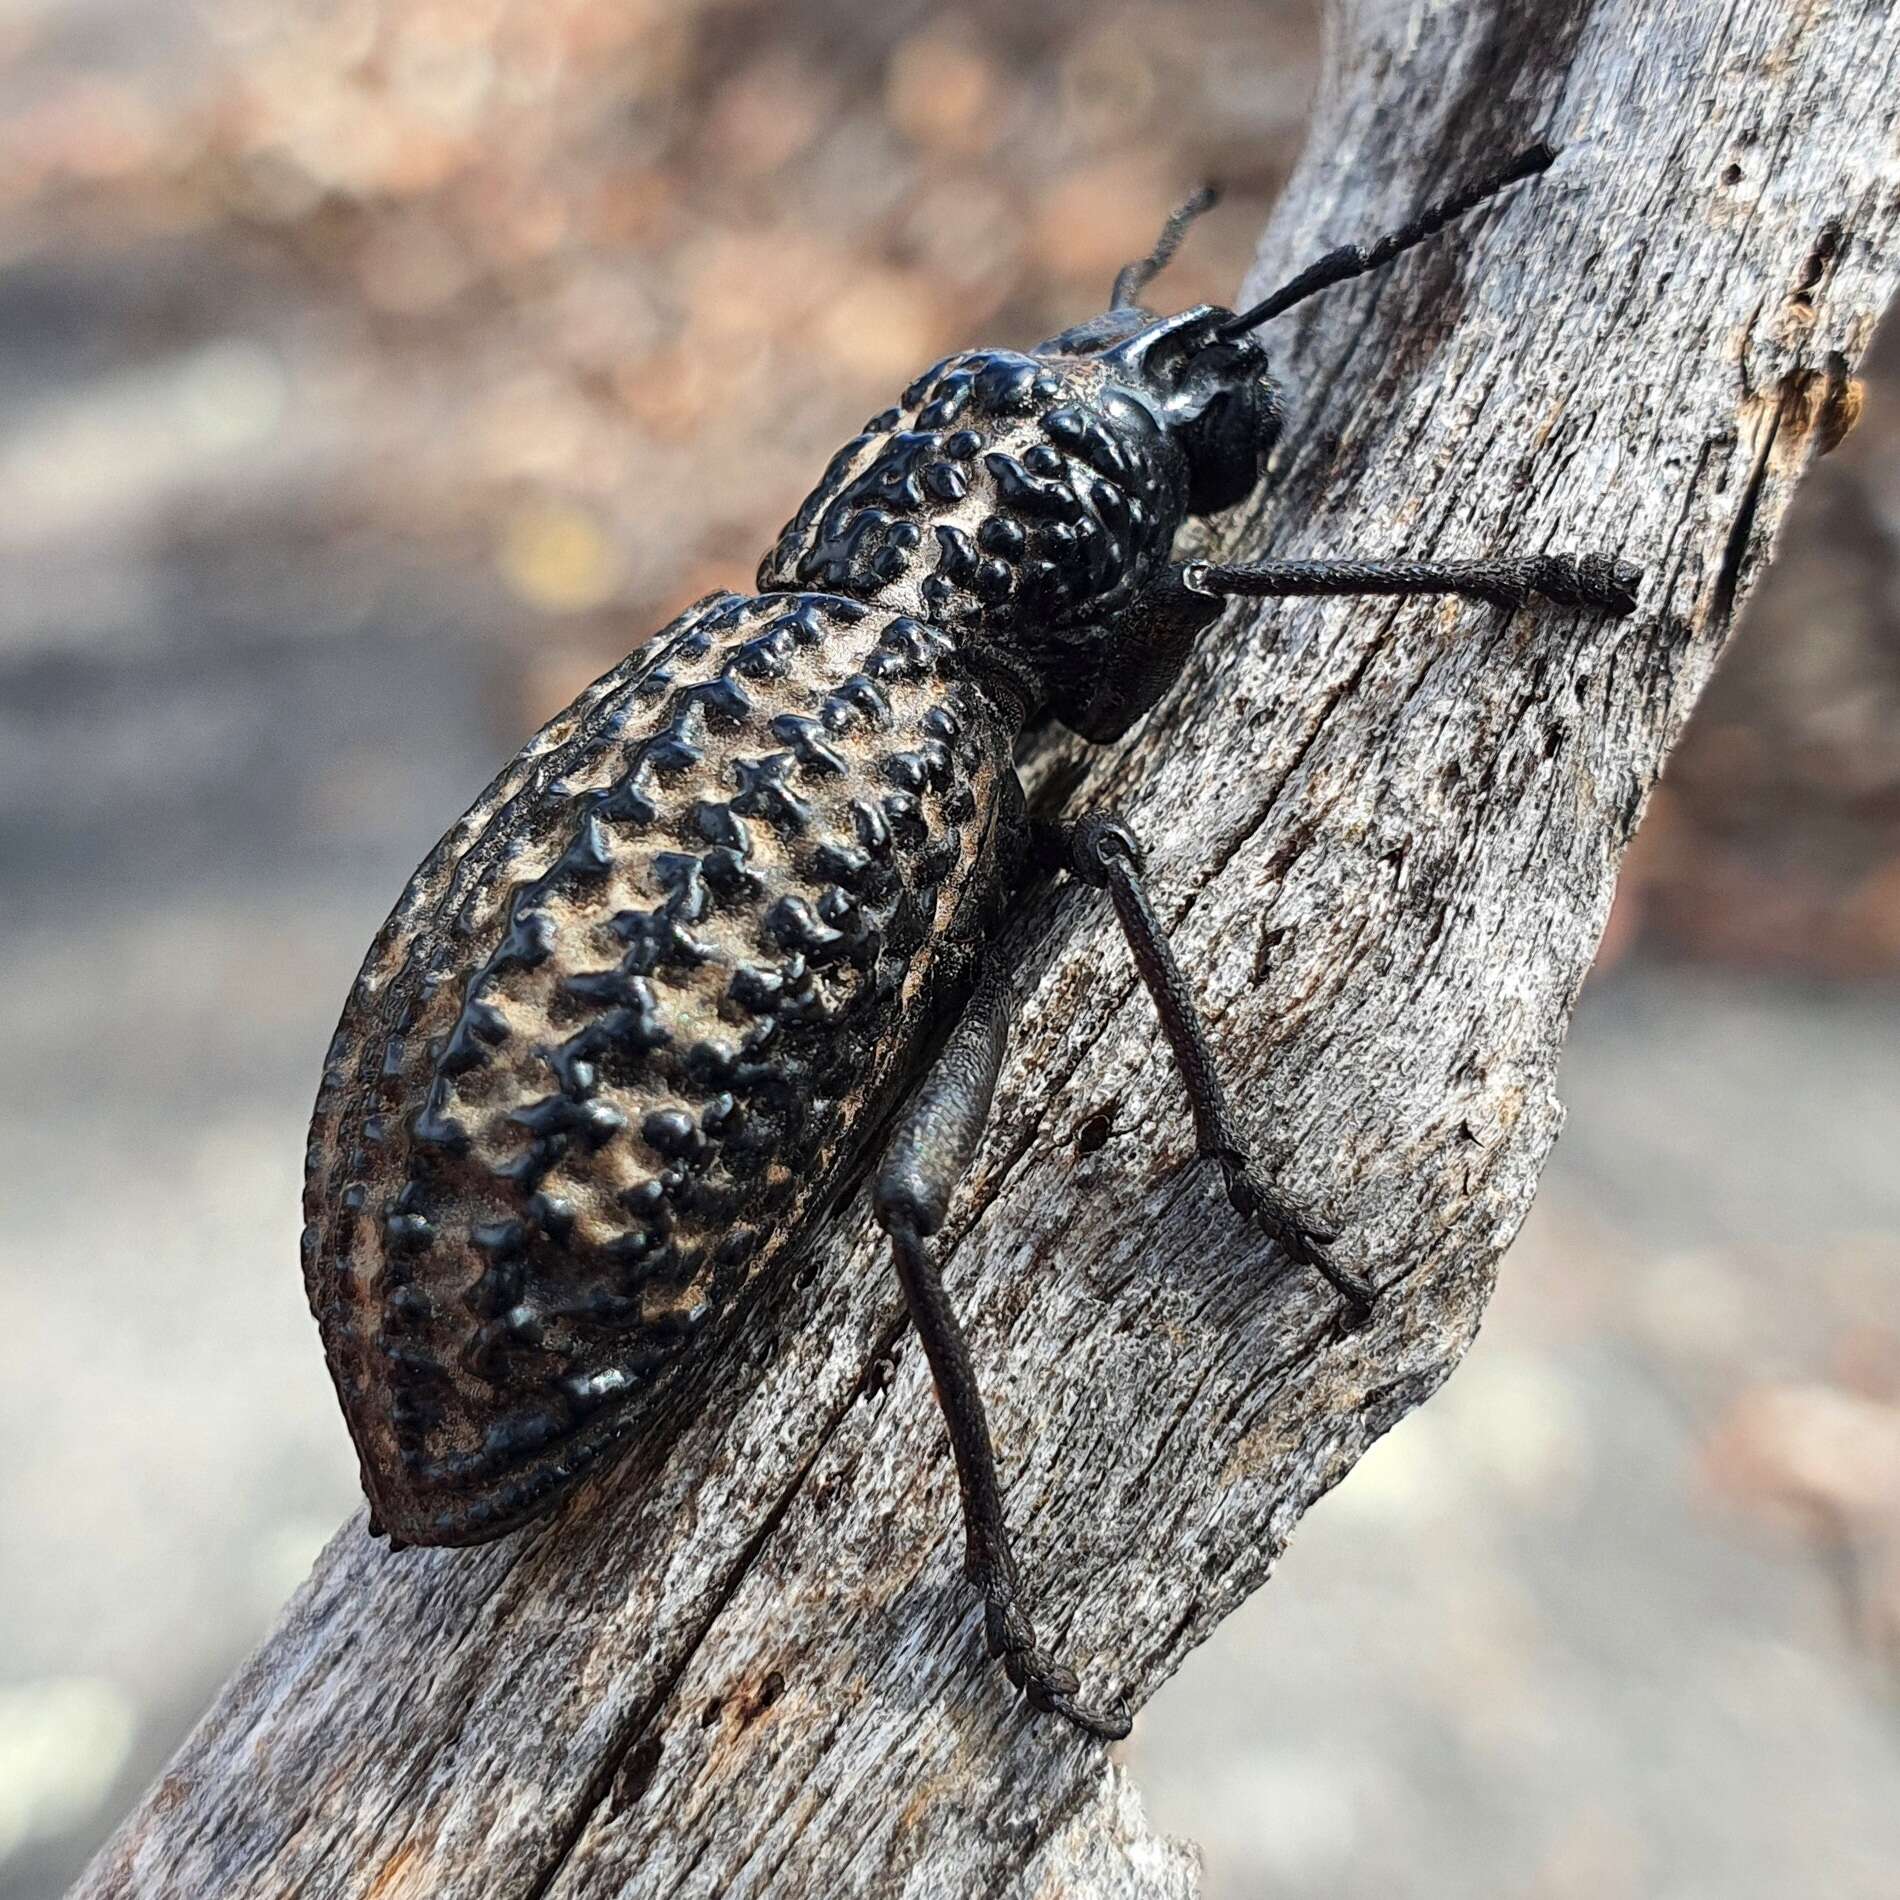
{"x":373,"y":373}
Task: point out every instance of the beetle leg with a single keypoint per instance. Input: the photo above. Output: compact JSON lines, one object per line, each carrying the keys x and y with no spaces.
{"x":1102,"y":851}
{"x":927,"y":1157}
{"x":1595,"y":581}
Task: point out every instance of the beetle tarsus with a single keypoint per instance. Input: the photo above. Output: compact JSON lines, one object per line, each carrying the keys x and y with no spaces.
{"x":1045,"y":1683}
{"x":1293,"y":1231}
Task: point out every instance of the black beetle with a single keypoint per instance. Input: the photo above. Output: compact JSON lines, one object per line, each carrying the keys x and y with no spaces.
{"x":637,"y":1016}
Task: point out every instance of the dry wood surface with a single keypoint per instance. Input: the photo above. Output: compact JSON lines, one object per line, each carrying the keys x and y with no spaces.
{"x":1385,"y":837}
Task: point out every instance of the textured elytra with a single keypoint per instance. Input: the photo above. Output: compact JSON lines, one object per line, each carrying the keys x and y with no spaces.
{"x":617,"y":1038}
{"x":1010,"y":493}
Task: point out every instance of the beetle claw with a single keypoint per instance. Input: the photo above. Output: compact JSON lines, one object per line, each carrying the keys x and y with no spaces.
{"x":1297,"y":1234}
{"x":1053,"y":1688}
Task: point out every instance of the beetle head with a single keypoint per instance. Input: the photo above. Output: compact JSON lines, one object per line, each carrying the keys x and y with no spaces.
{"x":1202,"y":377}
{"x":1209,"y":392}
{"x":1202,"y":371}
{"x":1214,"y":396}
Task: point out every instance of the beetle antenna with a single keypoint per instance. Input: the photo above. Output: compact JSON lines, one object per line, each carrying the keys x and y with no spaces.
{"x":1355,"y":260}
{"x":1132,"y":279}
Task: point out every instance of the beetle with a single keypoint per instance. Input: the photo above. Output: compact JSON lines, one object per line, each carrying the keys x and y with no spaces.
{"x":640,"y":1015}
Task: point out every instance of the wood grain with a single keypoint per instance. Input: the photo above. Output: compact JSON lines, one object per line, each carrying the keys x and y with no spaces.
{"x":1385,"y":837}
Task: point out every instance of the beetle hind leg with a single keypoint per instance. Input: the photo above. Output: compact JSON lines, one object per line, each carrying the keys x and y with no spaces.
{"x":927,"y":1157}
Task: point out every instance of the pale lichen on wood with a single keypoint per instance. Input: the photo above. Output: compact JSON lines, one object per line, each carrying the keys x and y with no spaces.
{"x":746,"y":1661}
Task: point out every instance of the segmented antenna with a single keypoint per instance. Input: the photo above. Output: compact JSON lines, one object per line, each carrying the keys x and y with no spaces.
{"x":1355,"y":260}
{"x":1132,"y":279}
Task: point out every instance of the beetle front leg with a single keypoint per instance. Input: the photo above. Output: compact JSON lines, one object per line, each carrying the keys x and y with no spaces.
{"x":928,"y":1155}
{"x":1593,"y":581}
{"x":1102,"y":851}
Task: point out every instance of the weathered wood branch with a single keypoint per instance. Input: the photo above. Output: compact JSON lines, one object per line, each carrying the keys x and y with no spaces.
{"x":1385,"y":837}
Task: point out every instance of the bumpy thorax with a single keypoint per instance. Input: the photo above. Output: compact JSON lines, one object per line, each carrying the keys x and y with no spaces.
{"x":1022,"y":494}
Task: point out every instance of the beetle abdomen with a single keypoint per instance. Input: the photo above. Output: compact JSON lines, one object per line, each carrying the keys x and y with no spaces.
{"x":616,"y":1039}
{"x":1003,"y":490}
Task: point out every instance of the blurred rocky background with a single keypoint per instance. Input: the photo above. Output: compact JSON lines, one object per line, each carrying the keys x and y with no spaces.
{"x":372,"y":374}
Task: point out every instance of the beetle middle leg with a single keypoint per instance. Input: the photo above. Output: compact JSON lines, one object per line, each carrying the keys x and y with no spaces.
{"x":1587,"y":580}
{"x":1101,"y":850}
{"x":927,"y":1157}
